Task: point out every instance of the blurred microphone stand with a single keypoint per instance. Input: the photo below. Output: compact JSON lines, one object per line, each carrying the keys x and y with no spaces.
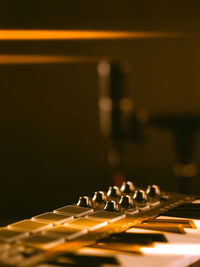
{"x":113,"y":118}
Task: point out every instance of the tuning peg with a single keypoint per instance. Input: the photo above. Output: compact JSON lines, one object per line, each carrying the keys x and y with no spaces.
{"x":140,"y":197}
{"x":99,"y":196}
{"x":113,"y":193}
{"x":111,"y":206}
{"x":125,"y":202}
{"x":85,"y":202}
{"x":128,"y":188}
{"x":153,"y":191}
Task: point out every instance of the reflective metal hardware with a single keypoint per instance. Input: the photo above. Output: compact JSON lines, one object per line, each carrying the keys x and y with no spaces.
{"x":113,"y":193}
{"x":107,"y":216}
{"x":99,"y":197}
{"x":125,"y":202}
{"x":65,"y":232}
{"x":84,"y":202}
{"x":7,"y":235}
{"x":51,"y":217}
{"x":42,"y":241}
{"x":153,"y":192}
{"x":143,"y":207}
{"x":73,"y":210}
{"x":111,"y":206}
{"x":140,"y":197}
{"x":99,"y":200}
{"x":132,"y":211}
{"x":86,"y":223}
{"x":155,"y":203}
{"x":128,"y":188}
{"x":29,"y":226}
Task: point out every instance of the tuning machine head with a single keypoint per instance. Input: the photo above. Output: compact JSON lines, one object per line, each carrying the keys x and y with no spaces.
{"x":114,"y":193}
{"x":153,"y":192}
{"x":128,"y":188}
{"x":111,"y":206}
{"x":84,"y":202}
{"x":140,"y":197}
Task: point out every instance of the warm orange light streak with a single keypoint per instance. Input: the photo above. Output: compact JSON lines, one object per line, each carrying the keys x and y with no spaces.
{"x":82,"y":35}
{"x":43,"y":59}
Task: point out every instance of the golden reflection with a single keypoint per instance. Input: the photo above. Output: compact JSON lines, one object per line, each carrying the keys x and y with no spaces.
{"x":185,"y":170}
{"x":126,"y":104}
{"x":170,"y":249}
{"x":43,"y":59}
{"x":82,"y":34}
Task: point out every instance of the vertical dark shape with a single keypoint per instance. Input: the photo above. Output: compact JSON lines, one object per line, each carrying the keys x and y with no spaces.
{"x":111,"y":82}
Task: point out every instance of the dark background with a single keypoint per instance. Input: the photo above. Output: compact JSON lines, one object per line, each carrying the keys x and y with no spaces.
{"x":51,"y":148}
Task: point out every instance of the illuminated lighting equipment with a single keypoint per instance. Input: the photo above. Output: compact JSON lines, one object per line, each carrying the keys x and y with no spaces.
{"x":43,"y":59}
{"x":21,"y":34}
